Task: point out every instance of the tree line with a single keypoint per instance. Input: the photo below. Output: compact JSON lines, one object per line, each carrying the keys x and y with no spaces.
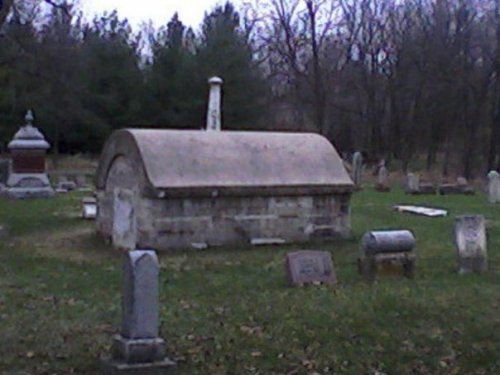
{"x":415,"y":82}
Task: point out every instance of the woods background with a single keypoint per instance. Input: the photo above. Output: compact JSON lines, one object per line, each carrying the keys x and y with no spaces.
{"x":416,"y":82}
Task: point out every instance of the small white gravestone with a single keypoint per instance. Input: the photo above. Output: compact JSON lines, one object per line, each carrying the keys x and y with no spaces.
{"x":470,"y":242}
{"x":357,"y":169}
{"x":214,"y":104}
{"x":89,"y":208}
{"x":138,"y":348}
{"x":383,"y":178}
{"x":493,"y":187}
{"x":412,"y":183}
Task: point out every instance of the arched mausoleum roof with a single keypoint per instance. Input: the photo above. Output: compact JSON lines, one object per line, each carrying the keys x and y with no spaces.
{"x":192,"y":162}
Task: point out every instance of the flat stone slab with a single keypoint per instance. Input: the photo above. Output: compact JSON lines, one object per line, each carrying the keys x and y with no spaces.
{"x":267,"y":241}
{"x":310,"y":266}
{"x":419,"y":210}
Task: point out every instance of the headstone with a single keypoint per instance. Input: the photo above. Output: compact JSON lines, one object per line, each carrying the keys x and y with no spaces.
{"x":357,"y":169}
{"x":214,"y":104}
{"x":66,"y":185}
{"x":309,"y":267}
{"x":493,"y":187}
{"x":387,"y":252}
{"x":470,"y":243}
{"x":89,"y":208}
{"x":138,"y":349}
{"x":27,"y":172}
{"x":412,"y":183}
{"x":81,"y":181}
{"x":462,"y":181}
{"x":383,"y":178}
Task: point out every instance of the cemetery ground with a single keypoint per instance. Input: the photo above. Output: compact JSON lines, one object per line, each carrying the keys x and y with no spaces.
{"x":230,"y":311}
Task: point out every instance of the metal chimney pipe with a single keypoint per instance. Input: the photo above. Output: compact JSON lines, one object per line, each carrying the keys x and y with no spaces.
{"x":214,"y":104}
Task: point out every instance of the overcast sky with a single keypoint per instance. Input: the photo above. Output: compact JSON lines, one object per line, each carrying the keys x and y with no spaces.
{"x":191,"y":12}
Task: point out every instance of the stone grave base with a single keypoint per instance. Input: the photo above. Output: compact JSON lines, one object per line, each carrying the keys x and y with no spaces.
{"x":472,"y":264}
{"x":382,"y":188}
{"x":445,"y":189}
{"x":402,"y":265}
{"x":138,"y":356}
{"x":27,"y":193}
{"x":30,"y":185}
{"x":164,"y":367}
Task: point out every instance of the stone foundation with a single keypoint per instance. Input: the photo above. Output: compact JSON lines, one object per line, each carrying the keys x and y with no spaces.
{"x":166,"y":224}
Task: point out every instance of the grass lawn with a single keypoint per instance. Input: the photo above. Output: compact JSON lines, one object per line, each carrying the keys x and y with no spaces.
{"x":229,"y":311}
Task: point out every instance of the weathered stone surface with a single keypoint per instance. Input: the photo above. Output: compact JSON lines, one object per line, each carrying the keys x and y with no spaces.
{"x":460,"y":187}
{"x":388,"y":241}
{"x":462,"y":181}
{"x":140,"y":306}
{"x":138,"y":349}
{"x":386,"y":253}
{"x":383,"y":179}
{"x":89,"y":208}
{"x":164,"y":367}
{"x":171,"y":208}
{"x":357,"y":169}
{"x":470,"y":243}
{"x":67,"y":185}
{"x":214,"y":121}
{"x":230,"y":163}
{"x":81,"y":180}
{"x":419,"y":210}
{"x":27,"y":177}
{"x":124,"y":220}
{"x":412,"y":183}
{"x":493,"y":188}
{"x":427,"y":188}
{"x":307,"y":266}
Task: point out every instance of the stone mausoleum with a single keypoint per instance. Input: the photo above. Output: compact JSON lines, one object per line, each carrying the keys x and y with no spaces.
{"x":172,"y":189}
{"x":27,"y":177}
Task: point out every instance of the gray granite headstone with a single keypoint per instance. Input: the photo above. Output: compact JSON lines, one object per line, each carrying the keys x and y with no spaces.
{"x":357,"y":169}
{"x":470,"y":243}
{"x":309,"y":266}
{"x":412,"y":183}
{"x":383,"y":178}
{"x":138,"y":349}
{"x":493,"y":187}
{"x":140,"y":295}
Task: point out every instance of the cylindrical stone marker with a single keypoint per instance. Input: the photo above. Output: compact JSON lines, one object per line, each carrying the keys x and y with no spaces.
{"x":214,"y":104}
{"x":390,"y":241}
